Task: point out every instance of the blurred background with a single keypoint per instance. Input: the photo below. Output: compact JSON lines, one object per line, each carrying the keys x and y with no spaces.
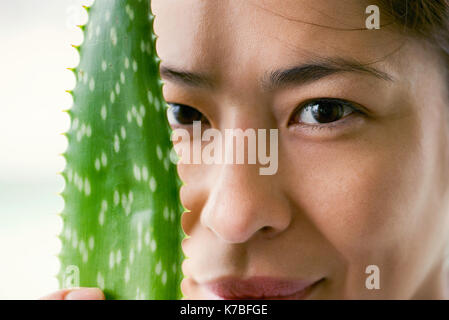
{"x":35,"y":42}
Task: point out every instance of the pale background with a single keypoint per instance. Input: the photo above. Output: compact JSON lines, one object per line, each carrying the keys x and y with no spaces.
{"x":35,"y":38}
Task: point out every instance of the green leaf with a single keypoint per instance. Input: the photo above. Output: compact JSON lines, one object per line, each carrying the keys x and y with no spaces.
{"x":121,"y":217}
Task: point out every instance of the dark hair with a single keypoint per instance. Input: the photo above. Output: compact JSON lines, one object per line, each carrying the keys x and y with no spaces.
{"x":425,"y":19}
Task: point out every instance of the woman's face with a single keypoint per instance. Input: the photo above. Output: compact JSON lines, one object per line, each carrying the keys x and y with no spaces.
{"x":365,"y":187}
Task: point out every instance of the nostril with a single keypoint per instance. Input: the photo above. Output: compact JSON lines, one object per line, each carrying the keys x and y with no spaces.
{"x":268,"y":232}
{"x":266,"y":229}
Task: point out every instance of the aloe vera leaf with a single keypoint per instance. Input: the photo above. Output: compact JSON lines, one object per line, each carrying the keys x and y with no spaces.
{"x":121,"y":218}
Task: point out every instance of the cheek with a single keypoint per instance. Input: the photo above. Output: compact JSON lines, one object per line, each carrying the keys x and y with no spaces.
{"x":360,"y":193}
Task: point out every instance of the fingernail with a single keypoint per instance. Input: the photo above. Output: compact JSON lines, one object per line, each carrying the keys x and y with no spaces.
{"x":85,"y":294}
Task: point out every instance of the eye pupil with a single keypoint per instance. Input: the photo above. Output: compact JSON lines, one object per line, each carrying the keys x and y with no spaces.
{"x":185,"y":114}
{"x":326,"y":111}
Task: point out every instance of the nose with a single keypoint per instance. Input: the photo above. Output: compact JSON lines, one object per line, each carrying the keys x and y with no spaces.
{"x":242,"y":204}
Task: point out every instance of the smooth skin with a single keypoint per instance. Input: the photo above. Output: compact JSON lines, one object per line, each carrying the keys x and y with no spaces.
{"x":368,"y":189}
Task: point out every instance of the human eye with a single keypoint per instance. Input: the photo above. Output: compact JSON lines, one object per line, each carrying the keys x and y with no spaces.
{"x":183,"y":115}
{"x":323,"y":113}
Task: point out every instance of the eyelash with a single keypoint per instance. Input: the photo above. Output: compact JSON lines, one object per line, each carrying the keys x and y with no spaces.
{"x":325,"y":126}
{"x":186,"y":108}
{"x":312,"y":127}
{"x":332,"y":126}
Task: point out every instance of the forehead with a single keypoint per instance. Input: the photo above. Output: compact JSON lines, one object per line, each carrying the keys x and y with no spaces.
{"x":218,"y":35}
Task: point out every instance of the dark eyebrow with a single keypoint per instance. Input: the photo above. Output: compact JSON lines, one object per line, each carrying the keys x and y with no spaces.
{"x":297,"y":75}
{"x":314,"y":71}
{"x":186,"y":78}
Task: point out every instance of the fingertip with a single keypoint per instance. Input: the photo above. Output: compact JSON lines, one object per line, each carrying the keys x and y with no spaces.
{"x":76,"y":294}
{"x":57,"y":295}
{"x":85,"y":294}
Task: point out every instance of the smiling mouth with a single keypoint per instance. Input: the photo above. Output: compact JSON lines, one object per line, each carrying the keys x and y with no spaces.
{"x":261,"y":288}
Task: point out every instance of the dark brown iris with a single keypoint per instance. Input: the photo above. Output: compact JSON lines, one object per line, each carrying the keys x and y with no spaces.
{"x":324,"y":111}
{"x":185,"y":114}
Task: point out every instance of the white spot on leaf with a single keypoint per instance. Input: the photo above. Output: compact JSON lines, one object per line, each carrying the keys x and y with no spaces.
{"x":104,"y":159}
{"x":127,"y":274}
{"x":91,"y":242}
{"x":153,"y":245}
{"x":100,"y":281}
{"x":101,"y":218}
{"x":87,"y":186}
{"x":116,"y":143}
{"x":152,"y":184}
{"x":104,"y":205}
{"x":111,"y":260}
{"x":75,"y":123}
{"x":131,"y":255}
{"x":113,"y":36}
{"x":136,"y":171}
{"x":159,"y":152}
{"x":147,"y":238}
{"x":74,"y":239}
{"x":91,"y":84}
{"x":139,"y":120}
{"x":118,"y":257}
{"x":158,"y":268}
{"x":88,"y":131}
{"x":103,"y":112}
{"x":116,"y":197}
{"x":142,"y":110}
{"x":144,"y":173}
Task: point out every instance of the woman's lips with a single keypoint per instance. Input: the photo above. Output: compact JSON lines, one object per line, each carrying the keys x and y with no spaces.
{"x":231,"y":288}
